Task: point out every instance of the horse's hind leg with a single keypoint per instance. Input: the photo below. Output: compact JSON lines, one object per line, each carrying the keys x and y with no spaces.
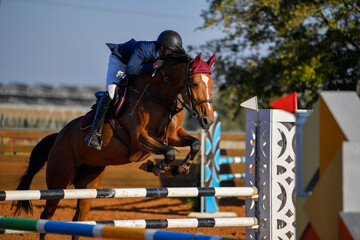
{"x":59,"y":175}
{"x":51,"y":204}
{"x":86,"y":177}
{"x":48,"y":212}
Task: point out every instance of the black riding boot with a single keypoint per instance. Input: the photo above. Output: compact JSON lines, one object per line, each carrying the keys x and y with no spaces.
{"x":93,"y":138}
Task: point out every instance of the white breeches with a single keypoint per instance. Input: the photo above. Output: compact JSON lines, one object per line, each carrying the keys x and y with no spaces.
{"x":116,"y":70}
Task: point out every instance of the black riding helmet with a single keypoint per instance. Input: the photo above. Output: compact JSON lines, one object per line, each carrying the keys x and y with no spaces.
{"x":171,"y":39}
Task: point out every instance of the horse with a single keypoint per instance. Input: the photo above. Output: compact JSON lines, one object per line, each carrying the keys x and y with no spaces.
{"x":149,"y":123}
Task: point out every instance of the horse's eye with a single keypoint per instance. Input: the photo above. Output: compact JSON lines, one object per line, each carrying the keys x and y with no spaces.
{"x":193,"y":84}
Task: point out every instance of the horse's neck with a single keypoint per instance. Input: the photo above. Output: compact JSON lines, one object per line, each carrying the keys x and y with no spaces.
{"x":176,"y":76}
{"x":160,"y":89}
{"x":168,"y":83}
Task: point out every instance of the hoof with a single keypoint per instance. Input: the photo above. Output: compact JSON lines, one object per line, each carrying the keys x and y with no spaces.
{"x":183,"y":170}
{"x":159,"y":168}
{"x":147,"y":167}
{"x":157,"y":172}
{"x":173,"y":172}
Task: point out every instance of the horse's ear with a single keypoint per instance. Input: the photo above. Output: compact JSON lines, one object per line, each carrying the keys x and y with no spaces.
{"x":195,"y":63}
{"x":197,"y":60}
{"x":211,"y":61}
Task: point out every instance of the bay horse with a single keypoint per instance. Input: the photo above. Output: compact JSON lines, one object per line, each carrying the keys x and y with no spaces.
{"x":151,"y":125}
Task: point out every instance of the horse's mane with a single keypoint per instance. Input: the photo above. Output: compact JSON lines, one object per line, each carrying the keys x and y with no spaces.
{"x":174,"y":58}
{"x":181,"y":56}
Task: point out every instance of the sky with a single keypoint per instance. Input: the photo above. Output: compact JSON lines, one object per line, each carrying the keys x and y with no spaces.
{"x":62,"y":42}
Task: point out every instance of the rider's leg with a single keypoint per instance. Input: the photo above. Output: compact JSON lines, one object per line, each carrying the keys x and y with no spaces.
{"x":116,"y":70}
{"x":93,"y":138}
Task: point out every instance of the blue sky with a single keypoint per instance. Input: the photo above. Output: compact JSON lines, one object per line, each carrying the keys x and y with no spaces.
{"x":62,"y":42}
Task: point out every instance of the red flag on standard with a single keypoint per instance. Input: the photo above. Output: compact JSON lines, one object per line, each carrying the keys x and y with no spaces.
{"x":287,"y":103}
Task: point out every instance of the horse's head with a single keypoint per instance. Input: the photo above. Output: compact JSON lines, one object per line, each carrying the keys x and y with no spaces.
{"x":197,"y":90}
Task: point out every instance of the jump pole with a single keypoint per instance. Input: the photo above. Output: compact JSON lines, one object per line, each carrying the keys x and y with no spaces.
{"x":231,"y":176}
{"x":168,"y":223}
{"x":22,"y":195}
{"x":98,"y":231}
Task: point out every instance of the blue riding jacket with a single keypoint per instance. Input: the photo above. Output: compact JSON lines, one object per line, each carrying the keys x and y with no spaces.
{"x":138,"y":56}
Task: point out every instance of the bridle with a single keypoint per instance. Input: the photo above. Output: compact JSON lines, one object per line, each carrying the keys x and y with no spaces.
{"x":188,"y":85}
{"x":174,"y":109}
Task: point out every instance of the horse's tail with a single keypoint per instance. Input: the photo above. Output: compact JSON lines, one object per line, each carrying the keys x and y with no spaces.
{"x":37,"y":160}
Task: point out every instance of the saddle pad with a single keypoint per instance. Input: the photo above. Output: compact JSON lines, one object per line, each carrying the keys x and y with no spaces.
{"x":87,"y":119}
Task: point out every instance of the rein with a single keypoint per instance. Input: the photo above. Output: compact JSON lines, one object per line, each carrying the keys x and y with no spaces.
{"x":132,"y":89}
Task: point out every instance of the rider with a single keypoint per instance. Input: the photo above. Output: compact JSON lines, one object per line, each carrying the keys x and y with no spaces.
{"x":131,"y":58}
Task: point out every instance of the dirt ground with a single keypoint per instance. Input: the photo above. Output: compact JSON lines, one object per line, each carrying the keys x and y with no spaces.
{"x":118,"y":209}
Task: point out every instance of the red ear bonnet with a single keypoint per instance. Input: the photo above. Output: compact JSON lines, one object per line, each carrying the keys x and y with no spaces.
{"x":199,"y":66}
{"x":211,"y":61}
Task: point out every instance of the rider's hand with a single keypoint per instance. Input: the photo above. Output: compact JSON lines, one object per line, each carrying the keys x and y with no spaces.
{"x":158,"y":63}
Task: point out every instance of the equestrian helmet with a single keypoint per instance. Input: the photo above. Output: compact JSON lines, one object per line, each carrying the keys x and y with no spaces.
{"x":170,"y":39}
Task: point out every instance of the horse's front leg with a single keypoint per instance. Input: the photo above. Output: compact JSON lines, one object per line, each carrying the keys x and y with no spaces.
{"x":181,"y":138}
{"x":153,"y":145}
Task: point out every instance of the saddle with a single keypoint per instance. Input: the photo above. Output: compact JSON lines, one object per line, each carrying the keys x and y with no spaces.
{"x":114,"y":110}
{"x":111,"y":116}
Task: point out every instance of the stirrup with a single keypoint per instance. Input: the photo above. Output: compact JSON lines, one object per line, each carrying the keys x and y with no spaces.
{"x":94,"y":143}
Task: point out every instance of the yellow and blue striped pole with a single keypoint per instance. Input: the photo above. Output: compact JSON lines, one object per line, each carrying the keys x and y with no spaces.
{"x":98,"y":231}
